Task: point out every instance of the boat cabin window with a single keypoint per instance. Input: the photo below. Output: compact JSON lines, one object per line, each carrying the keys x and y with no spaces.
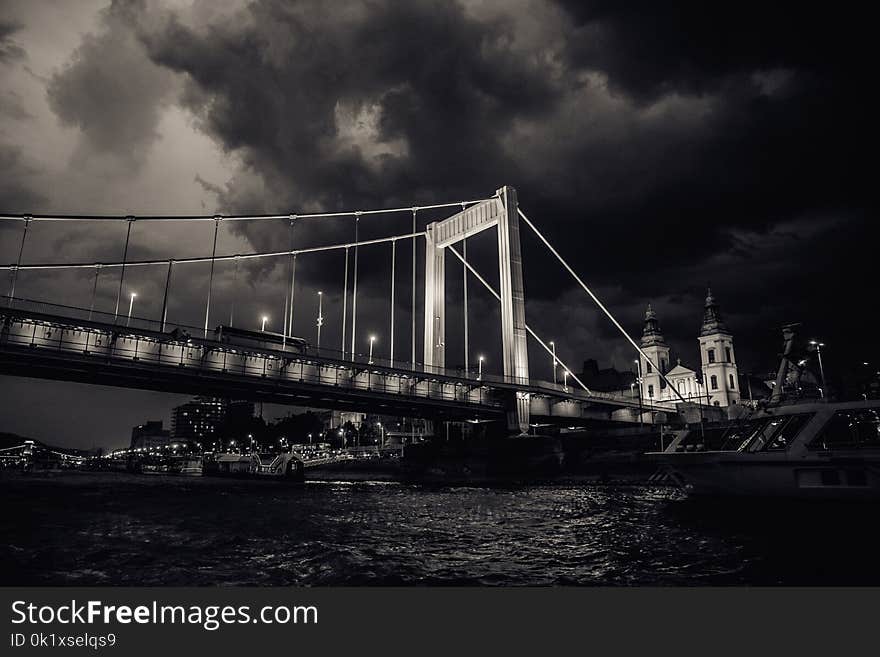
{"x":853,"y":429}
{"x":767,"y":434}
{"x":779,"y":434}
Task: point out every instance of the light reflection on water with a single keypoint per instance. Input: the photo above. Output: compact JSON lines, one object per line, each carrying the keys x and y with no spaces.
{"x":112,"y":529}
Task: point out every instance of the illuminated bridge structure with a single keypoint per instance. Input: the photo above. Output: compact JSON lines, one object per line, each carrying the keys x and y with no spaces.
{"x":48,"y":340}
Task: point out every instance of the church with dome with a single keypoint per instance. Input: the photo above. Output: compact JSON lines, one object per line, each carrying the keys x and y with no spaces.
{"x":716,"y":383}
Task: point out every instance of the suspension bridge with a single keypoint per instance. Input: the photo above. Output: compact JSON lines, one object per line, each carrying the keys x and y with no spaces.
{"x":46,"y":339}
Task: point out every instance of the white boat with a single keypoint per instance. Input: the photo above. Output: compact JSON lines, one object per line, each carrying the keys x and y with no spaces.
{"x":802,"y":449}
{"x":816,"y":449}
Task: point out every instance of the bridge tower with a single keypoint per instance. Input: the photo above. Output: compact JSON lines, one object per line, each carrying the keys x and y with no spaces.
{"x":500,"y":211}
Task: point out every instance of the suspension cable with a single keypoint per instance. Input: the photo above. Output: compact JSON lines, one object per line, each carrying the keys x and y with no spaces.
{"x":287,"y":294}
{"x":165,"y":296}
{"x":220,"y":258}
{"x":354,"y":290}
{"x":413,"y":310}
{"x":344,"y":303}
{"x":598,"y":303}
{"x":256,"y":217}
{"x":292,"y":294}
{"x":211,"y":277}
{"x":24,"y":233}
{"x":464,"y":276}
{"x":531,"y":332}
{"x":393,"y":263}
{"x":234,"y":290}
{"x":122,"y":273}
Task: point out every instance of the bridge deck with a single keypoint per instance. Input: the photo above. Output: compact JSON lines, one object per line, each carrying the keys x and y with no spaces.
{"x":46,"y":345}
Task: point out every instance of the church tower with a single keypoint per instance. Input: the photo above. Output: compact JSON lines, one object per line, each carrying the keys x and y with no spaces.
{"x":717,"y":357}
{"x":657,"y":350}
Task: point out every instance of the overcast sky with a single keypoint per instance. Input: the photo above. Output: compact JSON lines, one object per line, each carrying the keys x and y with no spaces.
{"x":661,"y":149}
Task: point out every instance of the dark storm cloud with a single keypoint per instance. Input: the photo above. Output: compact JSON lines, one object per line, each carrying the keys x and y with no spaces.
{"x":110,"y":90}
{"x":429,"y":89}
{"x":649,"y":49}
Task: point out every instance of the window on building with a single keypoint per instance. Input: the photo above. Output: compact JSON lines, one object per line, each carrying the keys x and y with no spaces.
{"x":732,"y":387}
{"x":663,"y":365}
{"x":651,"y":391}
{"x":728,"y":354}
{"x":714,"y":382}
{"x":648,"y":367}
{"x":711,"y":355}
{"x":854,"y":429}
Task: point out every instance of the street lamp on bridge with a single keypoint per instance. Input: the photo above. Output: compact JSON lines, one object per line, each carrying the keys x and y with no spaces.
{"x":480,"y":370}
{"x":263,"y":325}
{"x":553,"y":349}
{"x":565,"y":375}
{"x":372,"y":340}
{"x":130,"y":306}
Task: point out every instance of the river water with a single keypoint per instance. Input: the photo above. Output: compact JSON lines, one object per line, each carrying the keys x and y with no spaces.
{"x":116,"y":529}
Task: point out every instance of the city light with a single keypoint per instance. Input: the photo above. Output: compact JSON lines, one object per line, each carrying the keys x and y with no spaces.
{"x":480,"y":370}
{"x":372,"y":340}
{"x":263,"y":325}
{"x":553,"y":349}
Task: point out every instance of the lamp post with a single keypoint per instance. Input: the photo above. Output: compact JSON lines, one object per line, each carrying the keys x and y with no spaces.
{"x":553,"y":349}
{"x":263,"y":325}
{"x":480,"y":369}
{"x":639,"y":388}
{"x":320,"y":321}
{"x":372,"y":340}
{"x":565,"y":380}
{"x":130,"y":306}
{"x":819,"y":346}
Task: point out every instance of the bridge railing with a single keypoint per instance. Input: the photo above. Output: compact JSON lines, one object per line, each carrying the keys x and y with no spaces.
{"x":122,"y":322}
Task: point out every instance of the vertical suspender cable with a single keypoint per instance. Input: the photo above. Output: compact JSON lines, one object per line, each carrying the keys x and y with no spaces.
{"x":292,"y":293}
{"x":122,"y":273}
{"x":165,"y":296}
{"x":465,"y":277}
{"x":27,"y":221}
{"x":393,"y":262}
{"x":345,"y":303}
{"x":413,"y":306}
{"x":234,"y":290}
{"x":211,"y":276}
{"x":354,"y":290}
{"x":284,"y":315}
{"x":94,"y":289}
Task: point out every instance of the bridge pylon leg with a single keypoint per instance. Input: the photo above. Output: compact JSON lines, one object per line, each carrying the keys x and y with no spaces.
{"x":513,"y":309}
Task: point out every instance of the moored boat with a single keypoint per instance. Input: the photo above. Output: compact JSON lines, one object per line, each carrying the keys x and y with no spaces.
{"x":795,"y":447}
